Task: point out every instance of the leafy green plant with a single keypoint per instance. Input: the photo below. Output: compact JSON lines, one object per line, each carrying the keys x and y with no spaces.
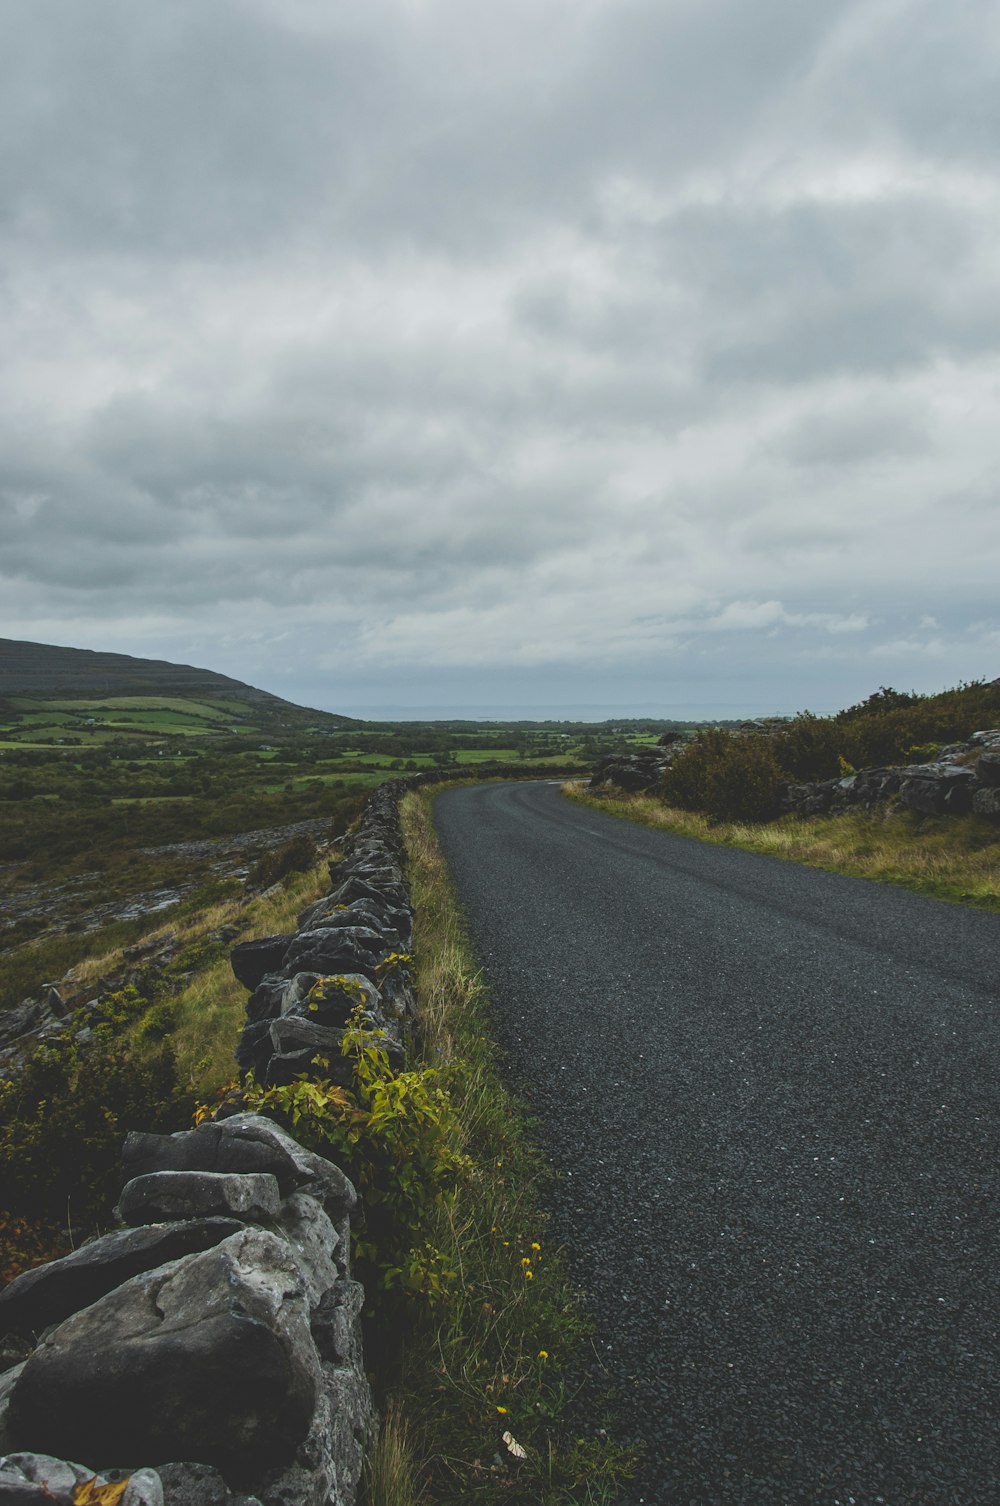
{"x":397,"y":1136}
{"x":65,"y":1115}
{"x":293,"y":857}
{"x":730,"y":777}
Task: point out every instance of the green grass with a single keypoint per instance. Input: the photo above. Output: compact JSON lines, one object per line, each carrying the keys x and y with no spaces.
{"x":210,"y":1010}
{"x":955,"y":858}
{"x":501,"y":1353}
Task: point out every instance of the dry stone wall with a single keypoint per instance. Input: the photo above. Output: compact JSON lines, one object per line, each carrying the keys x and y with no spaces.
{"x":964,"y":777}
{"x":209,"y":1349}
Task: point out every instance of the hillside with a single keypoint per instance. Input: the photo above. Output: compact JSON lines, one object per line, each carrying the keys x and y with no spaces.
{"x":44,"y":670}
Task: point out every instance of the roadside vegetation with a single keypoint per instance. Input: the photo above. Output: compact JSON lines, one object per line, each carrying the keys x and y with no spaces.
{"x":725,"y":787}
{"x":141,"y":1060}
{"x":479,"y":1396}
{"x":948,"y":857}
{"x":734,"y":776}
{"x":478,"y":1338}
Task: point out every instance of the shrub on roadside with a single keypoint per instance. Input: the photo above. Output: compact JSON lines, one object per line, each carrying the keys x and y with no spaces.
{"x":65,"y":1115}
{"x":397,"y":1136}
{"x":293,"y":857}
{"x":729,"y":777}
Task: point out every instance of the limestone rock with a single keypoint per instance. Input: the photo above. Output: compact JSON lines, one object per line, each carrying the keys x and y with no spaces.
{"x":28,"y":1479}
{"x":331,"y":950}
{"x":331,"y":1000}
{"x":938,"y":788}
{"x":161,"y":1196}
{"x":986,"y":802}
{"x":49,"y":1293}
{"x":305,"y":1171}
{"x":187,"y":1484}
{"x":208,"y":1359}
{"x":988,"y":769}
{"x":251,"y":960}
{"x":210,"y":1147}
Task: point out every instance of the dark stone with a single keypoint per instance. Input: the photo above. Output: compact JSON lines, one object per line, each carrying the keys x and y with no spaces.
{"x":355,"y":950}
{"x":209,"y":1359}
{"x":284,"y":1067}
{"x":207,"y":1148}
{"x":988,"y":769}
{"x":305,"y":1171}
{"x":986,"y":802}
{"x":937,"y":789}
{"x":332,"y":1000}
{"x":244,"y":1141}
{"x":355,"y":887}
{"x":265,"y":1001}
{"x":161,"y":1196}
{"x":252,"y":960}
{"x":254,"y":1046}
{"x":48,"y":1294}
{"x":336,"y":1324}
{"x":189,"y":1484}
{"x":296,"y":1033}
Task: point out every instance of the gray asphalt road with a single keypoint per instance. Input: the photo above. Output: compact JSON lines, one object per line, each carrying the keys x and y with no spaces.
{"x":772,"y":1093}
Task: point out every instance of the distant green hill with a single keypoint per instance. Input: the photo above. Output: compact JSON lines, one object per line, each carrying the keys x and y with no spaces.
{"x":44,"y":670}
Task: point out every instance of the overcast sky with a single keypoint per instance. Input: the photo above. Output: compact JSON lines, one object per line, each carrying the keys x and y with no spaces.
{"x":452,"y":353}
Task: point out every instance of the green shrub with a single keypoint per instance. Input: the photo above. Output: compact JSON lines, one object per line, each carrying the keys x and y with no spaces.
{"x":730,"y":777}
{"x":397,"y":1136}
{"x":65,"y":1115}
{"x":294,"y":857}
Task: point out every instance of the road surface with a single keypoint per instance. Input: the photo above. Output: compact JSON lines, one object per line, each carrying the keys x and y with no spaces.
{"x":772,"y":1096}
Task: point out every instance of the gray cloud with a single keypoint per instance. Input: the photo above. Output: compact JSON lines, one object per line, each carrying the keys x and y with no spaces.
{"x":563,"y":351}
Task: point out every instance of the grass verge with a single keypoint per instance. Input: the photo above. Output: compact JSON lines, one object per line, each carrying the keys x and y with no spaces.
{"x":953,"y":858}
{"x":480,"y":1404}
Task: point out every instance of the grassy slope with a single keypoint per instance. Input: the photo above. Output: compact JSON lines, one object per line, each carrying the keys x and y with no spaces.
{"x":949,"y":857}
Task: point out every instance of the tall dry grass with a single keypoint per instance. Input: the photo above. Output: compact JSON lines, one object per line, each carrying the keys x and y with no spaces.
{"x":949,"y":857}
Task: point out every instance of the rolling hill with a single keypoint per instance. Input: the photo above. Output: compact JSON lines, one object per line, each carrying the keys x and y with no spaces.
{"x":47,"y":671}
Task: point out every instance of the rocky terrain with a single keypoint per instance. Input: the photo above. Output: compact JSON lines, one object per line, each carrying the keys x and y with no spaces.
{"x":208,"y":1350}
{"x":965,"y":777}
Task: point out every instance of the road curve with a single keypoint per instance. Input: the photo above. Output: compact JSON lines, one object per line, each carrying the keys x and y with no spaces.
{"x":772,"y":1093}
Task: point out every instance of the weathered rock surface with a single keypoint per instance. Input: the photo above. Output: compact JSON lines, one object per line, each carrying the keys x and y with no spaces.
{"x":31,"y":1479}
{"x":186,"y":1484}
{"x":52,"y":1292}
{"x":161,"y":1196}
{"x":208,"y":1358}
{"x":245,"y":1141}
{"x":988,"y":769}
{"x":958,"y":781}
{"x":937,"y":788}
{"x":251,"y":960}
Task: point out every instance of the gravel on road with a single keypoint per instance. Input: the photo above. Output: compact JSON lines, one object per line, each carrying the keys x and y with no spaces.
{"x":771,"y":1094}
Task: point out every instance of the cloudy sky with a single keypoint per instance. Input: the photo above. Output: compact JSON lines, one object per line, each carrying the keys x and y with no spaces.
{"x":456,"y":354}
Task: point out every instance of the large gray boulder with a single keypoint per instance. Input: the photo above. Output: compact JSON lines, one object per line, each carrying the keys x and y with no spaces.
{"x":161,"y":1196}
{"x":208,"y":1359}
{"x":245,"y":1141}
{"x":986,"y":802}
{"x":988,"y":769}
{"x":937,"y":789}
{"x":253,"y":960}
{"x":38,"y":1298}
